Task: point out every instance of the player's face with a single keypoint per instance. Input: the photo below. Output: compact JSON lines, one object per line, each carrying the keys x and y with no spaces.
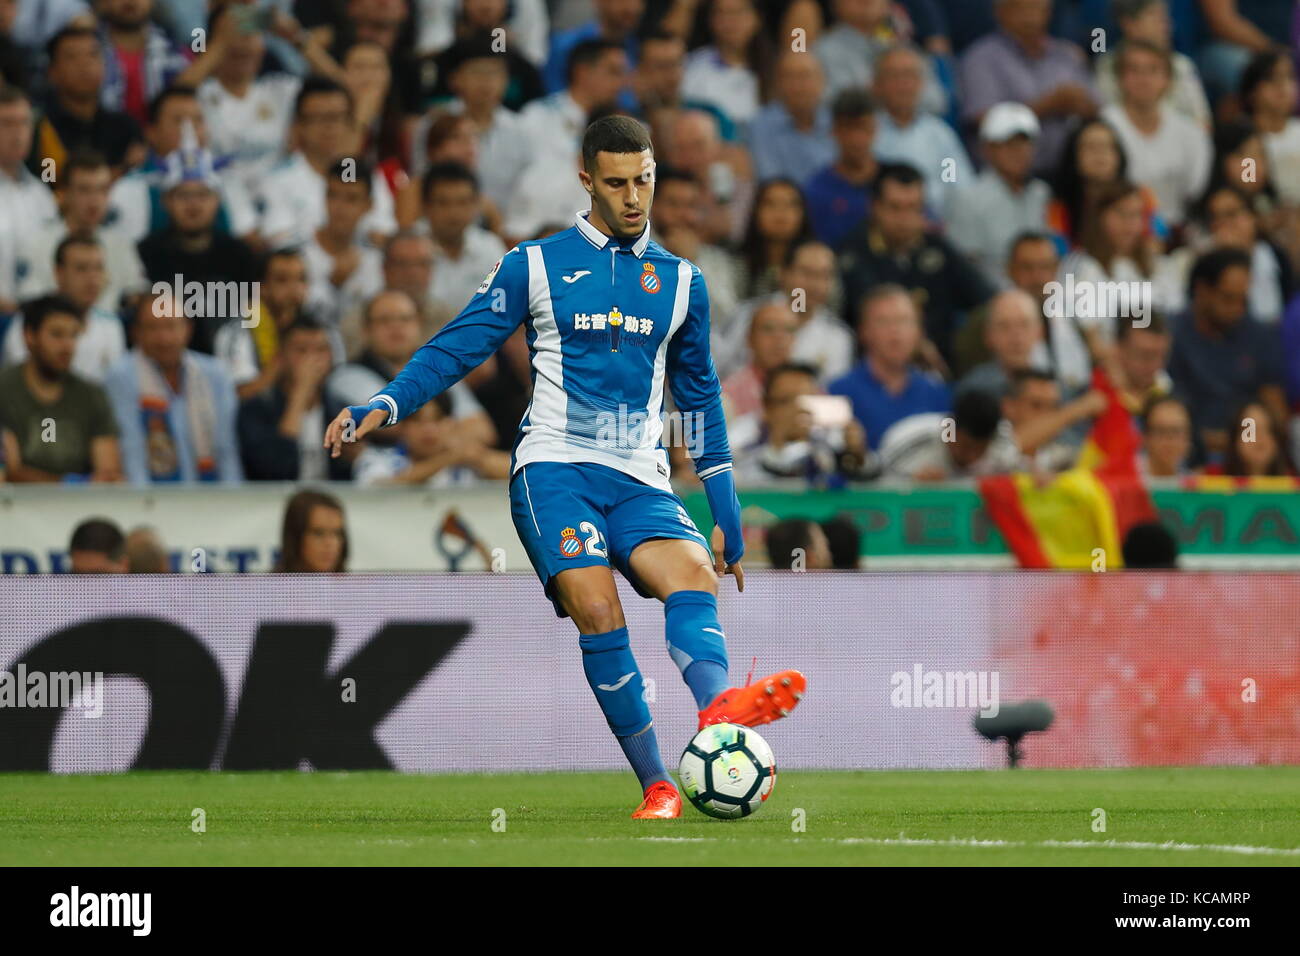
{"x":622,"y":188}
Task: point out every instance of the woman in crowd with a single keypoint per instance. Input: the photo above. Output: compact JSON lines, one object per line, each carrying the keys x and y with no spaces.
{"x":731,"y":72}
{"x":1093,"y":157}
{"x":314,"y":536}
{"x":1227,"y":220}
{"x":1257,"y":448}
{"x":1268,"y":95}
{"x":778,"y":221}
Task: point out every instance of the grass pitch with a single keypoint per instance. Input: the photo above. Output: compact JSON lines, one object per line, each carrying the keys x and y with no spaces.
{"x":1154,"y":817}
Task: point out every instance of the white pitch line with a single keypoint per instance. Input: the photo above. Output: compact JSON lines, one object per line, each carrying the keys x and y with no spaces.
{"x":1073,"y":845}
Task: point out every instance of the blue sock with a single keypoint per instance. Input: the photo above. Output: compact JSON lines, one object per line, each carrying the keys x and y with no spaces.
{"x":615,"y":680}
{"x":696,"y":643}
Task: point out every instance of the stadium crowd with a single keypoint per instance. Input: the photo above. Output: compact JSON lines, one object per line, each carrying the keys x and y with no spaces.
{"x":923,"y":224}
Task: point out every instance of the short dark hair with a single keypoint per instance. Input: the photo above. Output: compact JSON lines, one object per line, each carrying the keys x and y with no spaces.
{"x":1128,"y":9}
{"x":902,"y":173}
{"x":1156,"y":324}
{"x":100,"y":536}
{"x":360,"y":170}
{"x":1023,"y":376}
{"x":37,"y":311}
{"x":785,"y":537}
{"x":975,"y":412}
{"x":845,"y":540}
{"x":284,"y":252}
{"x":585,"y":54}
{"x":1150,"y":545}
{"x":447,"y":172}
{"x":316,"y":86}
{"x":613,"y":134}
{"x":74,"y":239}
{"x":1255,"y":73}
{"x":1211,"y":266}
{"x":851,"y":104}
{"x":1029,"y":235}
{"x":170,"y":93}
{"x":788,"y":368}
{"x":1155,"y":402}
{"x":303,"y":323}
{"x":82,"y":159}
{"x":68,"y":33}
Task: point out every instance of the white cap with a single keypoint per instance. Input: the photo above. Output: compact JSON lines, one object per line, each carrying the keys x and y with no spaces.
{"x":1006,"y":120}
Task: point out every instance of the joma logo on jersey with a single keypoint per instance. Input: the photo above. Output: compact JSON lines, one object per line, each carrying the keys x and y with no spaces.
{"x":615,"y":323}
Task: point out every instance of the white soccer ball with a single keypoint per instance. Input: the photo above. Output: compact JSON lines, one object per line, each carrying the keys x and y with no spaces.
{"x":727,"y":771}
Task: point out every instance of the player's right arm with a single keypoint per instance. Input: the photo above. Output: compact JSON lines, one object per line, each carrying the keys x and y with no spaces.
{"x":464,"y":343}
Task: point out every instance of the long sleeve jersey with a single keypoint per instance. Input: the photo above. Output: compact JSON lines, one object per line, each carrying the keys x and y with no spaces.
{"x":608,"y":322}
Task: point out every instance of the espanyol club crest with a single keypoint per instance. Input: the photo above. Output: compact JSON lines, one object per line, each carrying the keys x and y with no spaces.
{"x":570,"y":546}
{"x":650,"y":281}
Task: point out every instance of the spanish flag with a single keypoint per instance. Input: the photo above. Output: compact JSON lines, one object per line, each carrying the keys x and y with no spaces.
{"x":1062,"y":523}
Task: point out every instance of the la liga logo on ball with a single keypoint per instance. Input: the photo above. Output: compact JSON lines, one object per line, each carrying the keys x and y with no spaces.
{"x":727,"y":771}
{"x":570,"y":546}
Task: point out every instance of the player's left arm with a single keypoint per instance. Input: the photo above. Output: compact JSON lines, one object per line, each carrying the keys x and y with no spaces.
{"x":698,"y":394}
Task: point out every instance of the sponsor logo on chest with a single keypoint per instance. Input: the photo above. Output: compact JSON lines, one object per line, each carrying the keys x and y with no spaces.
{"x":614,"y":326}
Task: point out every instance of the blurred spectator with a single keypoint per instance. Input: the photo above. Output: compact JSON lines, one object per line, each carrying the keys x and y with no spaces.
{"x":24,"y":198}
{"x":770,"y":342}
{"x":1092,"y":159}
{"x":478,"y":77}
{"x":895,"y":247}
{"x":463,"y":252}
{"x":175,"y":407}
{"x":1268,"y":96}
{"x":906,"y":134}
{"x":985,"y":214}
{"x":1150,"y":546}
{"x":251,"y":353}
{"x":280,"y":428}
{"x":794,"y":443}
{"x":797,"y":544}
{"x":677,"y":215}
{"x":97,"y":547}
{"x":293,"y":193}
{"x":1022,"y":62}
{"x":732,"y":70}
{"x":521,"y":80}
{"x":1035,"y":432}
{"x":382,"y":128}
{"x":845,"y":541}
{"x":63,"y":428}
{"x":850,"y":50}
{"x":1167,"y":152}
{"x":1032,"y":268}
{"x":15,"y":60}
{"x":136,"y":203}
{"x":1257,"y":446}
{"x":248,"y":111}
{"x":74,"y":116}
{"x":1221,"y":357}
{"x":1142,"y":352}
{"x":392,"y":333}
{"x":1241,"y":160}
{"x":839,"y":196}
{"x":145,"y":552}
{"x":657,"y":82}
{"x":616,"y":21}
{"x":188,"y":245}
{"x":885,"y":386}
{"x":936,"y":446}
{"x":1166,"y":438}
{"x":314,"y":534}
{"x":1230,"y":221}
{"x":1235,"y":30}
{"x":342,"y":271}
{"x":1116,"y":266}
{"x":1149,"y":22}
{"x":526,"y":22}
{"x":408,"y":268}
{"x":79,"y":277}
{"x":140,"y":60}
{"x":1013,"y":333}
{"x":791,"y":136}
{"x":724,"y":173}
{"x":430,"y":451}
{"x":83,"y":197}
{"x":779,"y":220}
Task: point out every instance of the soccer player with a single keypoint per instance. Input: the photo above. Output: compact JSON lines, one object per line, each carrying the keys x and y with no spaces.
{"x":610,"y":317}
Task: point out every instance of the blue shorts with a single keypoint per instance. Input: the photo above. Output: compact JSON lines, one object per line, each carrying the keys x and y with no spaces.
{"x":580,"y":514}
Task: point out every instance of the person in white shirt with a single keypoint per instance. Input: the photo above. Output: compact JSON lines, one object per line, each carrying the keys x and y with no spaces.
{"x":1268,"y":94}
{"x":342,"y":272}
{"x":80,"y":278}
{"x":527,"y":25}
{"x":985,"y":214}
{"x":248,"y":114}
{"x":83,"y":194}
{"x":463,"y":252}
{"x":849,"y":51}
{"x":429,"y":451}
{"x":907,"y":134}
{"x":1167,"y":152}
{"x":26,"y":203}
{"x":725,"y":74}
{"x":293,"y":193}
{"x":1149,"y":20}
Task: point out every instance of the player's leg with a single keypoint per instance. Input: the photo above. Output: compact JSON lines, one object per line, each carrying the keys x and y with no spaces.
{"x":562,"y":530}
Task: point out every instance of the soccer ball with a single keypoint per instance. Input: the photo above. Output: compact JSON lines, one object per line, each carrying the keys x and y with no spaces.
{"x":727,"y":771}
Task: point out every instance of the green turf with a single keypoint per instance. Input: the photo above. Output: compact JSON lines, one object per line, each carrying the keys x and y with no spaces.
{"x":388,"y":818}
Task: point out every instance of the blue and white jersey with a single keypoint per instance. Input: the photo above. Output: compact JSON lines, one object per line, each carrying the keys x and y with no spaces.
{"x":608,"y":324}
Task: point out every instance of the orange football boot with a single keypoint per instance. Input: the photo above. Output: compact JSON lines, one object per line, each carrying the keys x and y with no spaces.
{"x":770,"y":699}
{"x":662,"y":802}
